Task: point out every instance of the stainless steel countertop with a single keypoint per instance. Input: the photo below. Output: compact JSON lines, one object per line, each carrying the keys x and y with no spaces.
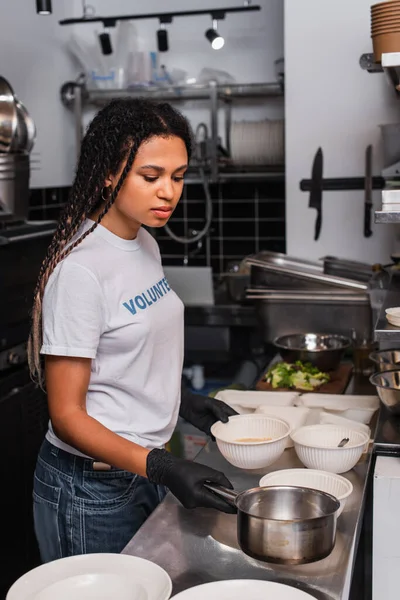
{"x":200,"y":545}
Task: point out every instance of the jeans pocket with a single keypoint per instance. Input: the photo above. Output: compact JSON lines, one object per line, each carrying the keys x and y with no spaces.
{"x":106,"y":487}
{"x":46,"y":505}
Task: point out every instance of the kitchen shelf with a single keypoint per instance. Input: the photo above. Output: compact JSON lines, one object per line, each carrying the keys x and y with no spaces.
{"x":384,"y":332}
{"x":390,"y":65}
{"x":190,"y":92}
{"x":76,"y":96}
{"x":387,"y":217}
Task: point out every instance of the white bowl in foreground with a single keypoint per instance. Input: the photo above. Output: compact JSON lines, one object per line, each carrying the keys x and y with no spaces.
{"x":251,"y":441}
{"x":94,"y":577}
{"x":317,"y":447}
{"x":333,"y":484}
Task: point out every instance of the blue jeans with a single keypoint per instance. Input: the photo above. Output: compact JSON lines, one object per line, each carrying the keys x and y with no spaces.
{"x":79,"y":510}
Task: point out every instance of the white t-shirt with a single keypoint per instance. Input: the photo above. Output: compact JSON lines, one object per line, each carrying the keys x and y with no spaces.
{"x":109,"y":301}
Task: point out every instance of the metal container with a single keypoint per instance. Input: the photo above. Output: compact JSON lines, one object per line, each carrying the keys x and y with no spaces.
{"x":236,"y":285}
{"x":8,"y":115}
{"x":271,"y":269}
{"x":282,"y":312}
{"x":25,"y":133}
{"x":386,"y":360}
{"x":284,"y":524}
{"x":387,"y":384}
{"x":348,"y":269}
{"x":324,"y":351}
{"x":14,"y":185}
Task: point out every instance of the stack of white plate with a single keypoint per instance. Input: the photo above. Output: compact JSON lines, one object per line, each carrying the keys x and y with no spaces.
{"x":258,"y":142}
{"x":393,"y":316}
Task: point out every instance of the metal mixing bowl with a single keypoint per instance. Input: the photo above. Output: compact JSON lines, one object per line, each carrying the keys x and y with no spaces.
{"x":388,"y":387}
{"x":386,"y":360}
{"x":324,"y":351}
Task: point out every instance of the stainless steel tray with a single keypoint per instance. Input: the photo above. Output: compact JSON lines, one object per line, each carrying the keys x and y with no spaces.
{"x":309,"y":295}
{"x":303,"y":270}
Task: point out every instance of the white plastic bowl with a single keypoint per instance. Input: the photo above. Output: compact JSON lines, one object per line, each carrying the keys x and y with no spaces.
{"x":316,"y":447}
{"x":355,"y":408}
{"x":333,"y":484}
{"x":245,"y":402}
{"x":295,"y":416}
{"x":327,"y":418}
{"x":251,"y":455}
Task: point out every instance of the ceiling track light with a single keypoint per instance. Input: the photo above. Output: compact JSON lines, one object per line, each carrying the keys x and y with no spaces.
{"x":105,"y":38}
{"x":105,"y":43}
{"x":216,"y":40}
{"x":162,"y":34}
{"x":43,"y":7}
{"x":164,"y":16}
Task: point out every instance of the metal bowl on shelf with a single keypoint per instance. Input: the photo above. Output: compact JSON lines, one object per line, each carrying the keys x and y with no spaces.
{"x":324,"y":351}
{"x":387,"y":385}
{"x":386,"y":360}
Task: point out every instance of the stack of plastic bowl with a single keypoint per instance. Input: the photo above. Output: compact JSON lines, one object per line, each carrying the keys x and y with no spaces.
{"x":385,"y":28}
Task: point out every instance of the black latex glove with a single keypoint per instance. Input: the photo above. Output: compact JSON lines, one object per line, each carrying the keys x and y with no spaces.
{"x":186,"y":479}
{"x":203,"y":412}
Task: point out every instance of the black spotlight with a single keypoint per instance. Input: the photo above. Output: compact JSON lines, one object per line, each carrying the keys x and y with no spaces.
{"x":43,"y":7}
{"x":162,"y":39}
{"x":216,"y":40}
{"x":105,"y":42}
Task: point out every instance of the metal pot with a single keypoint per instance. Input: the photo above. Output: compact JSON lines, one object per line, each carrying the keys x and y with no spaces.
{"x":8,"y":115}
{"x":284,"y":524}
{"x":324,"y":351}
{"x":25,"y":134}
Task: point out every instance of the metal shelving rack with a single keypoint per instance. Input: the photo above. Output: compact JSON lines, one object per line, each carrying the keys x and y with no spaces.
{"x":390,"y":65}
{"x":384,"y":332}
{"x":77,"y":96}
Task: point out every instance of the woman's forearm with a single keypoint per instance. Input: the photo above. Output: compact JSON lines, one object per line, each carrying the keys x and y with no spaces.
{"x":90,"y":437}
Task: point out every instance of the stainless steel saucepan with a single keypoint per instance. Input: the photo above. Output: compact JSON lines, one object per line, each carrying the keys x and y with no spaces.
{"x":284,"y":524}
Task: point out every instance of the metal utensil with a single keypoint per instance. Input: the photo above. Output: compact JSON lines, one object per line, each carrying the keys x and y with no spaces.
{"x":316,"y":190}
{"x":284,"y":524}
{"x":368,"y":192}
{"x":343,"y":442}
{"x":387,"y":384}
{"x":324,"y":351}
{"x":8,"y":115}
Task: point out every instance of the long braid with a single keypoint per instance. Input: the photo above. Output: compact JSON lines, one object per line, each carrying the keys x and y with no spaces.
{"x":115,"y":135}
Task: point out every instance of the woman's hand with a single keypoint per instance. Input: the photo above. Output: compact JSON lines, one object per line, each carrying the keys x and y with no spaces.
{"x":186,"y":479}
{"x":203,"y":411}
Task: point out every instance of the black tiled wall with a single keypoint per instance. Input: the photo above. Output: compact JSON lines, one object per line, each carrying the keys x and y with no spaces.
{"x":247,"y":217}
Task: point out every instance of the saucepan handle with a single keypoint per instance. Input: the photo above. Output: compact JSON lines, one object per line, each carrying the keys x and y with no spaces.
{"x":223,"y":492}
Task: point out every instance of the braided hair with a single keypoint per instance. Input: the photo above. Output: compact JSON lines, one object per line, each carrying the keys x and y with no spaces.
{"x":114,"y":135}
